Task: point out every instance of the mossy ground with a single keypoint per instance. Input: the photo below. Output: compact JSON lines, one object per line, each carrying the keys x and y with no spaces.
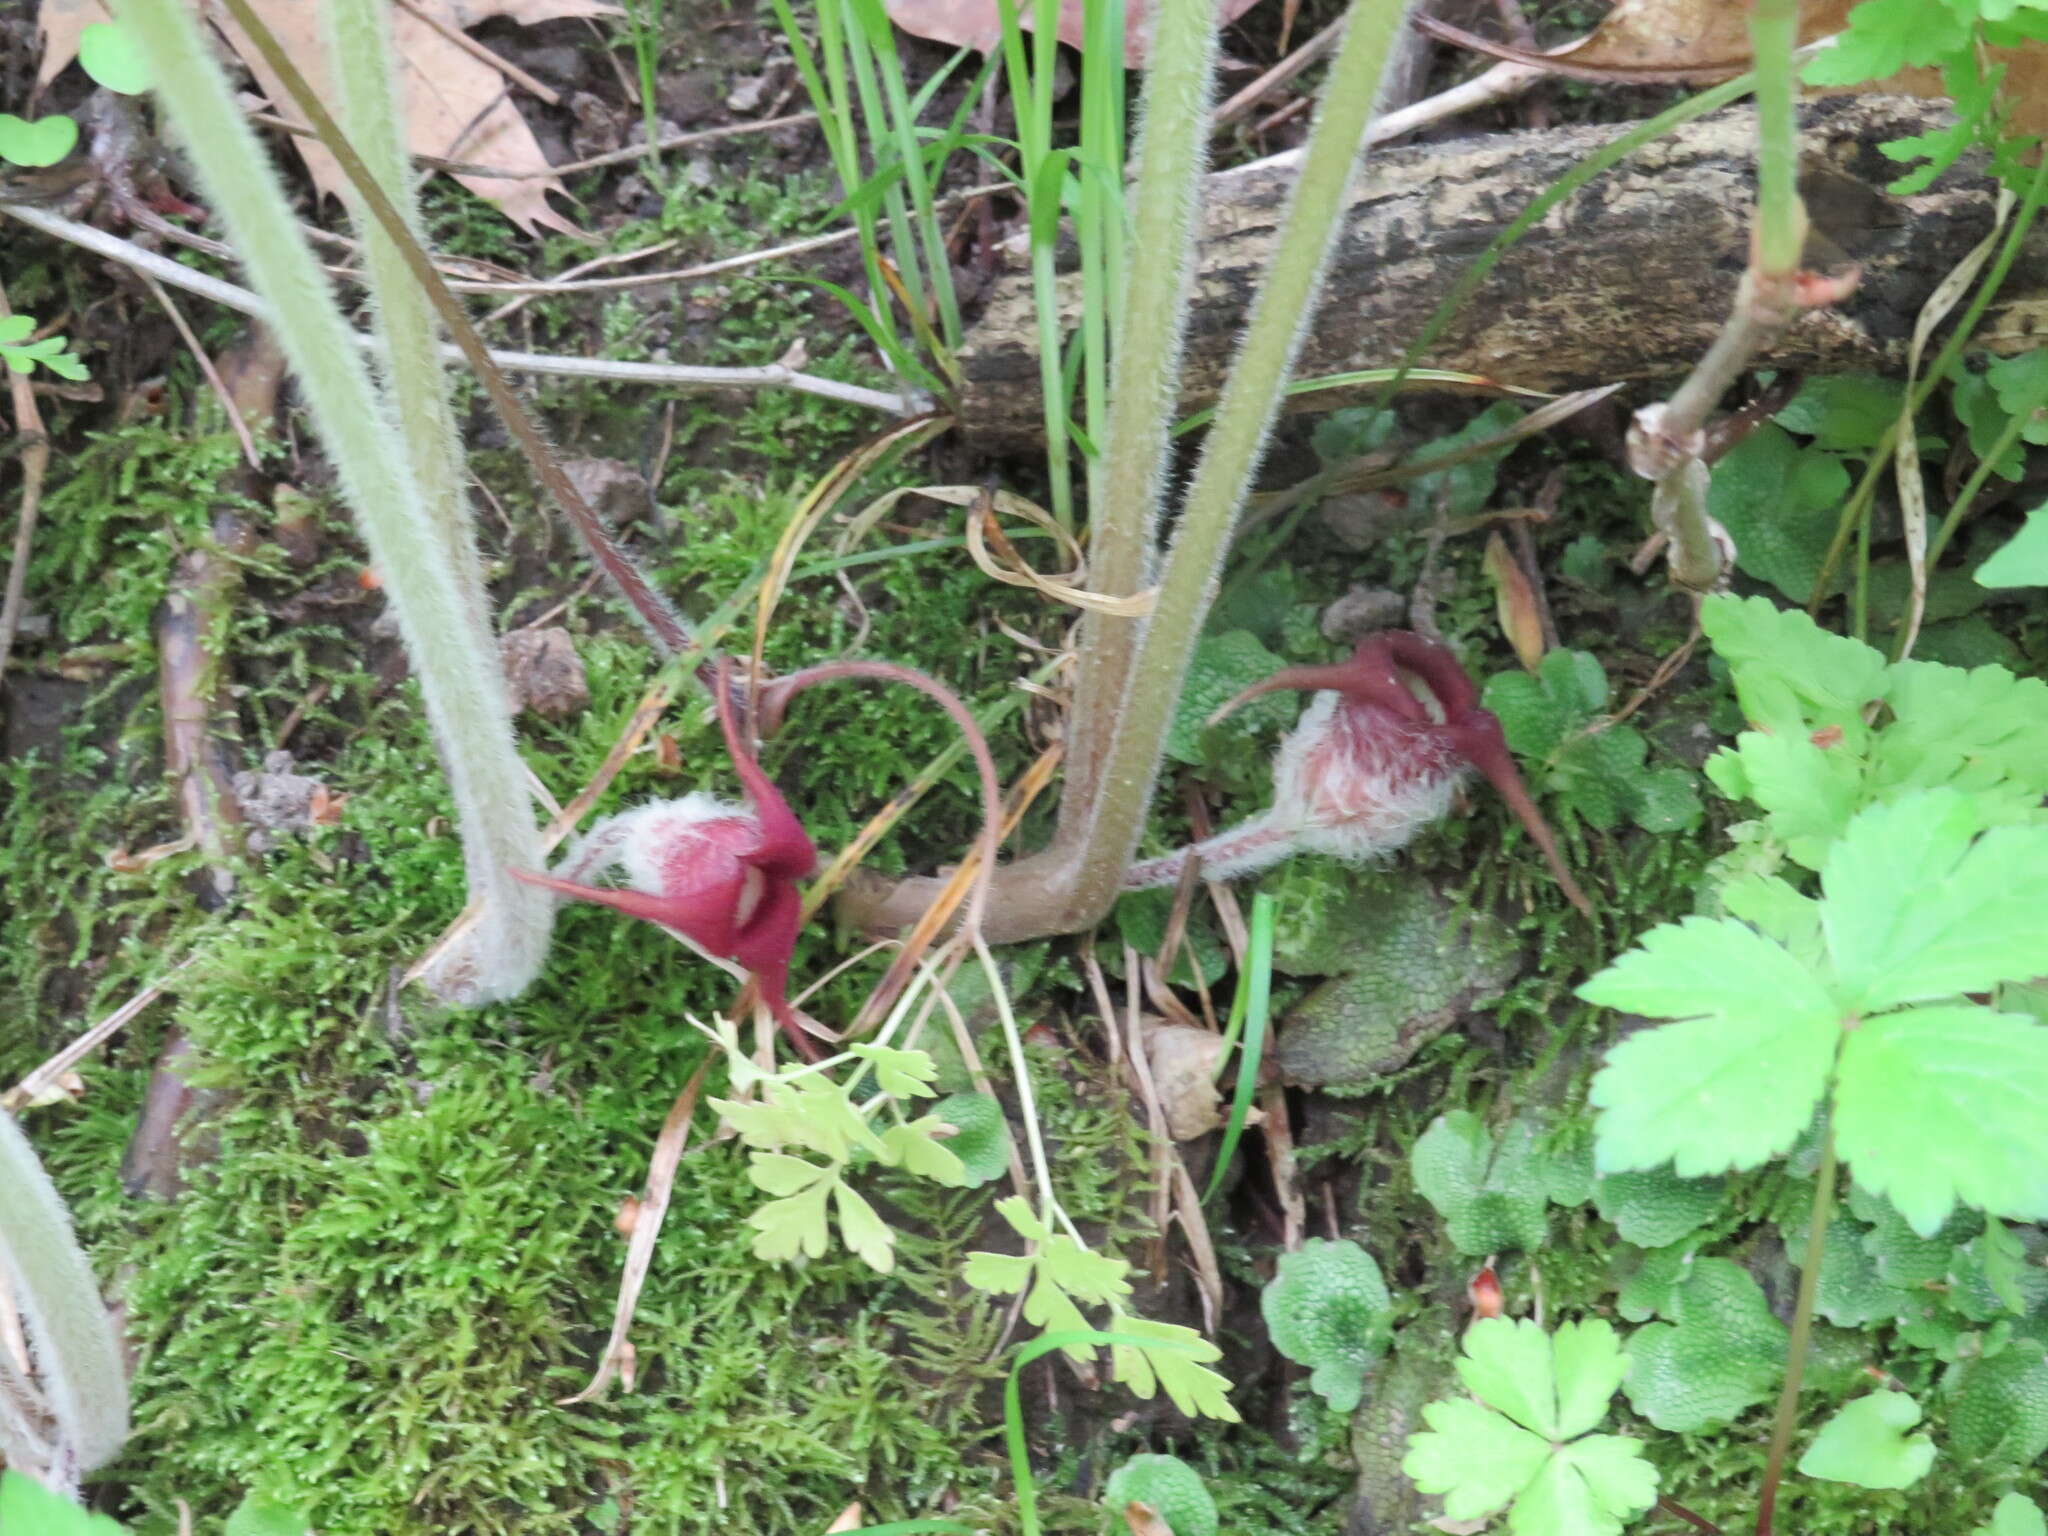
{"x":371,"y":1303}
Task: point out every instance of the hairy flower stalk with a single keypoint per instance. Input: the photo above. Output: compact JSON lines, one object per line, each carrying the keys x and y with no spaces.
{"x":1372,"y":762}
{"x":397,"y":483}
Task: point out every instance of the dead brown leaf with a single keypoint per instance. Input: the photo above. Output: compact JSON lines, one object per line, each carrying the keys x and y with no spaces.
{"x":1144,"y":1520}
{"x":977,"y":24}
{"x":1515,"y":600}
{"x":1183,"y":1064}
{"x":458,"y":107}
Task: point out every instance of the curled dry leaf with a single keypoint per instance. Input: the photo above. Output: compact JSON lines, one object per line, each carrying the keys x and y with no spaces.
{"x":1144,"y":1520}
{"x":977,"y":24}
{"x":543,"y":672}
{"x":1515,"y":600}
{"x":457,"y":105}
{"x":1183,"y":1062}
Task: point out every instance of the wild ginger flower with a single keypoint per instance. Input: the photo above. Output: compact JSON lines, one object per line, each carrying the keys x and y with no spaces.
{"x":1370,"y":764}
{"x":722,"y":876}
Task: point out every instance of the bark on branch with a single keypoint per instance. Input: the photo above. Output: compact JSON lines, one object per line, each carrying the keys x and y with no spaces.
{"x":1630,"y":279}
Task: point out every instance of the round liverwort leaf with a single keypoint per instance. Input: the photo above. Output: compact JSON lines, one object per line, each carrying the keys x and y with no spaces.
{"x":1328,"y":1308}
{"x":1998,"y":1407}
{"x":42,"y":142}
{"x":983,"y":1140}
{"x":1654,"y":1207}
{"x":109,"y":55}
{"x":1724,"y":1354}
{"x":1866,"y":1443}
{"x":1490,"y":1196}
{"x":1170,"y":1486}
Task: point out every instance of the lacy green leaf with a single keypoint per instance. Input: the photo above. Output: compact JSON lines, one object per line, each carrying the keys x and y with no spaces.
{"x":864,"y":1233}
{"x":1790,"y":674}
{"x":1942,"y":1104}
{"x":906,"y":1074}
{"x":1866,"y":1443}
{"x":1474,"y":1458}
{"x":1588,"y":1488}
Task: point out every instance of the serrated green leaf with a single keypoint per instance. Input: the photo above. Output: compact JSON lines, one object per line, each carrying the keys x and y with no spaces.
{"x":785,"y":1229}
{"x":1589,"y":1367}
{"x":1937,"y":1105}
{"x":1774,"y":906}
{"x":1736,"y":1083}
{"x":759,"y":1125}
{"x":1809,"y":790}
{"x":1000,"y":1274}
{"x":1474,"y":1458}
{"x":1509,"y":1365}
{"x":1866,"y":1443}
{"x":982,"y":1139}
{"x":1179,"y":1367}
{"x":1588,"y":1488}
{"x":1884,"y":36}
{"x":1725,"y":1354}
{"x":1790,"y":674}
{"x":1981,"y":731}
{"x":906,"y":1074}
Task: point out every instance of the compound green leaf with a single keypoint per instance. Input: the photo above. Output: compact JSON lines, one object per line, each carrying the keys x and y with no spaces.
{"x":1180,"y":1366}
{"x":1982,"y":731}
{"x":1884,"y":36}
{"x":1810,"y":791}
{"x":1328,"y":1308}
{"x":1473,"y":1457}
{"x":1738,"y":1081}
{"x":1790,"y":674}
{"x":1508,"y":1365}
{"x":1866,"y":1443}
{"x":780,"y":1174}
{"x":785,"y":1229}
{"x":916,"y":1147}
{"x":1724,"y":1355}
{"x":1000,"y":1274}
{"x":2016,"y":1515}
{"x":1589,"y":1367}
{"x":906,"y":1074}
{"x":1091,"y":1276}
{"x":1918,"y":906}
{"x":1588,"y":1488}
{"x":1937,"y":1105}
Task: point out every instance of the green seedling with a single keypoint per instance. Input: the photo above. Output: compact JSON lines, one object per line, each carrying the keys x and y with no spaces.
{"x":1170,"y":1486}
{"x":1523,"y":1442}
{"x":109,"y":54}
{"x":1868,"y":1443}
{"x":1327,"y":1307}
{"x":2016,"y":1515}
{"x":22,"y":355}
{"x":36,"y":142}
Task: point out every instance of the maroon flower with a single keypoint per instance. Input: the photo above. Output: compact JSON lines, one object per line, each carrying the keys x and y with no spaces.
{"x":1371,"y":763}
{"x":722,"y":876}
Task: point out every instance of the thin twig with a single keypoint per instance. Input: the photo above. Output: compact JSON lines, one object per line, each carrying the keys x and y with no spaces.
{"x":211,"y":374}
{"x":669,"y":375}
{"x":35,"y":464}
{"x":45,"y":1077}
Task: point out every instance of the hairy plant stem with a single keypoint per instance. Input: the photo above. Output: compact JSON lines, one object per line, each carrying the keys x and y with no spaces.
{"x":1666,"y":442}
{"x":1128,"y":487}
{"x":81,"y":1383}
{"x":451,"y":646}
{"x":1244,"y":416}
{"x":1802,"y":1333}
{"x":661,"y":621}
